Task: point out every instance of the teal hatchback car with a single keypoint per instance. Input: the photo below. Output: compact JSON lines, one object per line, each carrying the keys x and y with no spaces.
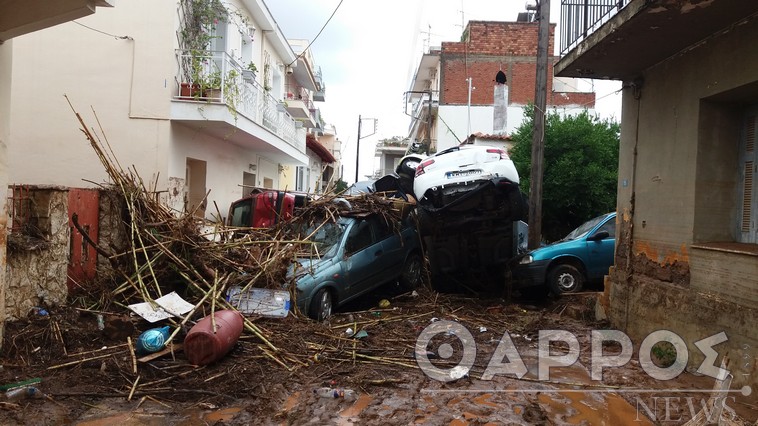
{"x":352,"y":257}
{"x":582,"y":256}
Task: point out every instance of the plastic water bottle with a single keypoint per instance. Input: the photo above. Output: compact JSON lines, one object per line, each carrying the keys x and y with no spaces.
{"x":326,"y":392}
{"x":23,"y":392}
{"x":152,"y":340}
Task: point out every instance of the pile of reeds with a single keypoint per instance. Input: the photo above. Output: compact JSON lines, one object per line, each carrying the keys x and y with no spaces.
{"x":177,"y":251}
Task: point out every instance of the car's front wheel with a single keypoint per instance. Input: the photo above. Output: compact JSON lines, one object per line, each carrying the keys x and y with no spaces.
{"x":411,"y":275}
{"x":321,"y":305}
{"x":565,"y":279}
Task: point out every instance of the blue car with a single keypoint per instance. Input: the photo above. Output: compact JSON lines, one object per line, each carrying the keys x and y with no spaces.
{"x":583,"y":256}
{"x":353,"y":256}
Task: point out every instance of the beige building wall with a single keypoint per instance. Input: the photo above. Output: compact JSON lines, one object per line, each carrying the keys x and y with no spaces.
{"x":127,"y":82}
{"x":678,"y":264}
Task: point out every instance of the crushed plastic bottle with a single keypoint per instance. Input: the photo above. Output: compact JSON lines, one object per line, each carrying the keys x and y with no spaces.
{"x":326,"y":392}
{"x":23,"y":392}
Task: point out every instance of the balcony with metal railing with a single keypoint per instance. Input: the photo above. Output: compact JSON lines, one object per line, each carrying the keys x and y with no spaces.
{"x":580,"y":18}
{"x":300,"y":106}
{"x":213,"y":86}
{"x":620,"y":39}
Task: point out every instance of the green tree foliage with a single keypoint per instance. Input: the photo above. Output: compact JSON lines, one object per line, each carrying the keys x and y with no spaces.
{"x":580,"y":168}
{"x":340,"y":186}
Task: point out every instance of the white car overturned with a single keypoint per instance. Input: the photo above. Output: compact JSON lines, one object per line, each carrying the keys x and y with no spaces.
{"x":442,"y":178}
{"x":471,"y":214}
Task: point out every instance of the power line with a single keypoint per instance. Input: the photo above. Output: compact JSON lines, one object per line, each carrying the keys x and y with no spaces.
{"x":319,"y":33}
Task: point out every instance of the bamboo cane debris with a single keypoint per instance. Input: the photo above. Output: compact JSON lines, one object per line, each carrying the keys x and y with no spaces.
{"x":170,"y":250}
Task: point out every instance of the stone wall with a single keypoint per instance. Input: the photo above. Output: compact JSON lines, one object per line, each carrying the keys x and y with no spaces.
{"x":37,"y":258}
{"x":38,"y":253}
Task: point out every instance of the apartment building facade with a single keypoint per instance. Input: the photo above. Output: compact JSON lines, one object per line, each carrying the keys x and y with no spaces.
{"x":480,"y":85}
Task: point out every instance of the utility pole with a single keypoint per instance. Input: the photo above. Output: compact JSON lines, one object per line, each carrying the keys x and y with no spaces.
{"x":358,"y":142}
{"x":538,"y":135}
{"x":357,"y":148}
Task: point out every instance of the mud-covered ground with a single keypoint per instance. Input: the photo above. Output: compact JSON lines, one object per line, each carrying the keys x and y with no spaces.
{"x":88,"y":376}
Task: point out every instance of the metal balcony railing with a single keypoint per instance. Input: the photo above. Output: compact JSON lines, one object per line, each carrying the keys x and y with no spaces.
{"x":580,"y":18}
{"x":216,"y":77}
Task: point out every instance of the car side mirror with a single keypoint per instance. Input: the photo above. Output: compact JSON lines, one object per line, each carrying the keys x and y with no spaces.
{"x":601,"y":235}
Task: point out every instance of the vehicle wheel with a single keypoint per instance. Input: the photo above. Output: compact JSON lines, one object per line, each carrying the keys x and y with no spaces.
{"x":565,"y":279}
{"x":411,"y":275}
{"x":321,"y":305}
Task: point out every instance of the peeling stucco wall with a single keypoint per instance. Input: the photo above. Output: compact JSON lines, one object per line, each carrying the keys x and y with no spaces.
{"x":175,"y":197}
{"x":113,"y":233}
{"x":38,"y":255}
{"x":37,"y":268}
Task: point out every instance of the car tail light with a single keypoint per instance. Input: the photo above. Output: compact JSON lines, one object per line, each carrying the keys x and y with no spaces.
{"x":420,"y":168}
{"x":503,"y":154}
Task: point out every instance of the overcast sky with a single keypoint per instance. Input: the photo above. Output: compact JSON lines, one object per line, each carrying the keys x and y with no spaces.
{"x":369,"y":51}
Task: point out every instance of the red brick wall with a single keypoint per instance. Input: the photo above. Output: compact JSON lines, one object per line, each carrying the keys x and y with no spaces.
{"x":489,"y":48}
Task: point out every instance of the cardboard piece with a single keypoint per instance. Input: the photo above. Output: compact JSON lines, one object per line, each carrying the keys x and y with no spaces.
{"x":164,"y":307}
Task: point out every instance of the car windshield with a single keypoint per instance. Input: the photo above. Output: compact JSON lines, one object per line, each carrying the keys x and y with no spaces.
{"x":325,"y":238}
{"x":583,"y":229}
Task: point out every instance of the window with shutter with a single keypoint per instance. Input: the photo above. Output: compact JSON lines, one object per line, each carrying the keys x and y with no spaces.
{"x":747,"y":219}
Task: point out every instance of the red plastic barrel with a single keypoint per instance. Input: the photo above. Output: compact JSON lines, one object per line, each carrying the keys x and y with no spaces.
{"x":202,"y":346}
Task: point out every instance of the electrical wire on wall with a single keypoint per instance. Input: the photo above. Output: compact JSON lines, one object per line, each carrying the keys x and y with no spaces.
{"x":126,"y":37}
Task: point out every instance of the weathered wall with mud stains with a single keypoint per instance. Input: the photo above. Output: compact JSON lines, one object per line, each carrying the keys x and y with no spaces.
{"x":113,"y":231}
{"x":37,"y":267}
{"x":678,"y":203}
{"x":38,"y":256}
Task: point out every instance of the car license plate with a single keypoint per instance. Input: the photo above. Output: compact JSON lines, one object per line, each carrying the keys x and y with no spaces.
{"x":462,"y":173}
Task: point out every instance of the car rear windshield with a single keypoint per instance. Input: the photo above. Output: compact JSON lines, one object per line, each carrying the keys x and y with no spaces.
{"x":584,"y":228}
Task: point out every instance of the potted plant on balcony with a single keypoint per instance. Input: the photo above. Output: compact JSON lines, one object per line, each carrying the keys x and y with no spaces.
{"x":212,"y":86}
{"x":198,"y":20}
{"x":249,"y":72}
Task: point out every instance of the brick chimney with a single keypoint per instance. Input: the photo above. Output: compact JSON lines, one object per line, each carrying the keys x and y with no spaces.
{"x":500,"y":114}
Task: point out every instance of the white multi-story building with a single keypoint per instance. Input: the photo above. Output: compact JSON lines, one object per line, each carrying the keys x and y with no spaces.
{"x":203,"y":98}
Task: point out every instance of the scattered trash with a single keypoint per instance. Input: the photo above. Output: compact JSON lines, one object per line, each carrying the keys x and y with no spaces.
{"x":168,"y":306}
{"x":23,"y":392}
{"x":414,"y":293}
{"x":40,"y":311}
{"x":34,"y":381}
{"x":100,"y":322}
{"x":458,"y":372}
{"x":204,"y":344}
{"x":434,"y":319}
{"x":361,"y":334}
{"x":152,"y":340}
{"x":384,"y":303}
{"x":349,"y":332}
{"x":326,"y":392}
{"x":482,"y":329}
{"x":377,"y":314}
{"x":261,"y":301}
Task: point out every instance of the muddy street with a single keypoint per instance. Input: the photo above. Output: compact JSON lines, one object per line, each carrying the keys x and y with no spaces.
{"x":88,"y":378}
